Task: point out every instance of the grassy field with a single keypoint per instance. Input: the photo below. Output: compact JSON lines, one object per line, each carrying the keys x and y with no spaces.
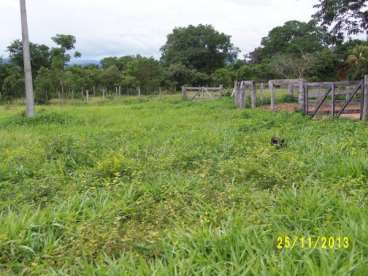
{"x":167,"y":187}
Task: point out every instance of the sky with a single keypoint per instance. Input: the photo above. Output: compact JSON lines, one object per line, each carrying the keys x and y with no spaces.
{"x":129,"y":27}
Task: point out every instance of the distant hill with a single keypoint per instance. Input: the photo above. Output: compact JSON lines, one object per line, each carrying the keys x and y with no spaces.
{"x":5,"y":60}
{"x":84,"y":62}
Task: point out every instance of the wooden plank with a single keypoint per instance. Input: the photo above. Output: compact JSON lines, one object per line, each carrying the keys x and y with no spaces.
{"x":254,"y":95}
{"x":242,"y":98}
{"x":262,"y":91}
{"x":301,"y":97}
{"x":273,"y":96}
{"x":306,"y":100}
{"x":328,"y":84}
{"x":285,"y":81}
{"x":365,"y":99}
{"x":333,"y":106}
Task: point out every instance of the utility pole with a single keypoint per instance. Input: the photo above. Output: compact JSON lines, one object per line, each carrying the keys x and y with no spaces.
{"x":27,"y":61}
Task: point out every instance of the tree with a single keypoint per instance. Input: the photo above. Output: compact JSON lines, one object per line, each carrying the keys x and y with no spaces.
{"x":198,"y":47}
{"x":343,"y":16}
{"x":223,"y":76}
{"x":358,"y":62}
{"x":324,"y":66}
{"x":146,"y":72}
{"x":39,"y":53}
{"x":45,"y":84}
{"x":12,"y":84}
{"x":120,"y":62}
{"x":66,"y":42}
{"x":27,"y":61}
{"x":293,"y":38}
{"x":110,"y":77}
{"x":291,"y":67}
{"x":179,"y":74}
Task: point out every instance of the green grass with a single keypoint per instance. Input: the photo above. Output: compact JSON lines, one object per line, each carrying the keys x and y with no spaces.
{"x":166,"y":187}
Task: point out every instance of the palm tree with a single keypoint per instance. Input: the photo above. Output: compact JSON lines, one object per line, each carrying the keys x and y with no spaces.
{"x":27,"y":61}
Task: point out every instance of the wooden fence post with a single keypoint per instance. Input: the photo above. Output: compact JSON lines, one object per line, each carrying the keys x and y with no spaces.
{"x":262,"y":92}
{"x":139,"y":91}
{"x":235,"y":93}
{"x":301,"y":98}
{"x":333,"y":94}
{"x":87,"y":95}
{"x":365,"y":103}
{"x":241,"y":96}
{"x":273,"y":96}
{"x":254,"y":95}
{"x":184,"y":92}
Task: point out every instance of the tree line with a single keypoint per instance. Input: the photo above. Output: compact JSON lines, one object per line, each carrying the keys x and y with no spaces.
{"x":317,"y":50}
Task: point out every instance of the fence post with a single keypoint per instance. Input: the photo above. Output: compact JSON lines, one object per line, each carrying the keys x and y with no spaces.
{"x":365,"y":103}
{"x":235,"y":93}
{"x":273,"y":96}
{"x":242,"y":96}
{"x":301,"y":98}
{"x":333,"y":93}
{"x":254,"y":95}
{"x":262,"y":92}
{"x":139,"y":91}
{"x":184,"y":92}
{"x":87,"y":95}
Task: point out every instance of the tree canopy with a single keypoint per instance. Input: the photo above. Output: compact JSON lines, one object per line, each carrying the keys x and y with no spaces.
{"x":343,"y":16}
{"x":198,"y":47}
{"x":293,"y":38}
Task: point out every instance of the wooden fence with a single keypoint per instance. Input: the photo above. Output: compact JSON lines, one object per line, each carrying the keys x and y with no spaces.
{"x":314,"y":98}
{"x":192,"y":93}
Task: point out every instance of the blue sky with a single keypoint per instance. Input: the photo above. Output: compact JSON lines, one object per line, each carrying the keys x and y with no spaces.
{"x":123,"y":27}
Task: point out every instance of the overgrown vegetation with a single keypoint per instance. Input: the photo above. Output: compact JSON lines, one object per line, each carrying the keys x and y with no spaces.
{"x":165,"y":187}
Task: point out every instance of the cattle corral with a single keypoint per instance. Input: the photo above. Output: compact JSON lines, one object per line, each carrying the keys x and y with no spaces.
{"x":315,"y":99}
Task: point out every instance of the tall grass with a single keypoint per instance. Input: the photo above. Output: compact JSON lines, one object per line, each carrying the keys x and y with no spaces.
{"x":161,"y":186}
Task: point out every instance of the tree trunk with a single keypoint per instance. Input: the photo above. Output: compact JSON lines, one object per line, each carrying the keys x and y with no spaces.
{"x":27,"y":62}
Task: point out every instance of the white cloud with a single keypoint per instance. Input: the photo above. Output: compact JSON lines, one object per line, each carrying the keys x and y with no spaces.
{"x":121,"y":27}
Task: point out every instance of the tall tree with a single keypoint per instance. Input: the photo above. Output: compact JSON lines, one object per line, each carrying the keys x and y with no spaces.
{"x":343,"y":16}
{"x":293,"y":38}
{"x":27,"y":61}
{"x":198,"y":47}
{"x":40,"y":55}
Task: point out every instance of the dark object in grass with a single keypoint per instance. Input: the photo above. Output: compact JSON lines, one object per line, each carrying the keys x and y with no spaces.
{"x":278,"y":142}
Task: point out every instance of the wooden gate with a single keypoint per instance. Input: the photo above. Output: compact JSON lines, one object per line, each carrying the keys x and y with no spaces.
{"x":334,"y":98}
{"x":193,"y":93}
